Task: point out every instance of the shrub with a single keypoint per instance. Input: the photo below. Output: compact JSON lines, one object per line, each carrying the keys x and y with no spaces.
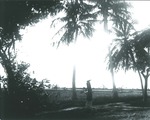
{"x":29,"y":96}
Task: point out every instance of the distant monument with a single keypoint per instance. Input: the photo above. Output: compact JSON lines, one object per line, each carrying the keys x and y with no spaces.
{"x":89,"y":95}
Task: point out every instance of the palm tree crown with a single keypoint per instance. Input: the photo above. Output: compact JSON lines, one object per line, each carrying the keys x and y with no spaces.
{"x":79,"y":19}
{"x":112,"y":10}
{"x":122,"y":50}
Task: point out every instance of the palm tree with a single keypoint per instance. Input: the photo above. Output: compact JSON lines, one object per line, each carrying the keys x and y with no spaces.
{"x":115,"y":93}
{"x":121,"y":54}
{"x":131,"y":51}
{"x":112,"y":10}
{"x":79,"y":19}
{"x":141,"y":46}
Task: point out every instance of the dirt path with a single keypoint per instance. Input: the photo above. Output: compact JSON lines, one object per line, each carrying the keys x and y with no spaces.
{"x":112,"y":111}
{"x":133,"y":115}
{"x":122,"y":111}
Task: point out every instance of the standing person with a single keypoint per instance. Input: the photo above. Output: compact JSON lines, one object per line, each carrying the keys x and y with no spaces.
{"x":89,"y":95}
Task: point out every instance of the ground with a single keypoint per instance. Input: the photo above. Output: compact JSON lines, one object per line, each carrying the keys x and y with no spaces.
{"x":128,"y":106}
{"x":111,"y":111}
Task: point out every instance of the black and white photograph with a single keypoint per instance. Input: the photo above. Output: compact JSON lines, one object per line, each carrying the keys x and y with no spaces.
{"x":74,"y":60}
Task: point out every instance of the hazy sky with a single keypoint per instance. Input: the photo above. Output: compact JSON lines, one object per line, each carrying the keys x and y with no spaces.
{"x":87,"y":55}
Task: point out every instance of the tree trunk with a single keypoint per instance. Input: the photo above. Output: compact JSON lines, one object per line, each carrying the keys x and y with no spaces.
{"x":141,"y":83}
{"x":137,"y":70}
{"x":115,"y":93}
{"x":145,"y":90}
{"x":105,"y":23}
{"x":105,"y":15}
{"x":11,"y":83}
{"x":6,"y":63}
{"x":146,"y":75}
{"x":2,"y":107}
{"x":74,"y":94}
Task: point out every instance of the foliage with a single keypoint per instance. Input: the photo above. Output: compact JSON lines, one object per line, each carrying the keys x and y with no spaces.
{"x":29,"y":96}
{"x":142,"y":54}
{"x":141,"y":48}
{"x":131,"y":51}
{"x":16,"y":14}
{"x":81,"y":15}
{"x":121,"y":52}
{"x":112,"y":10}
{"x":78,"y":19}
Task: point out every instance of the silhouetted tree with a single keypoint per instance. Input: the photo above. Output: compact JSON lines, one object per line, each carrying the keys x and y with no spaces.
{"x":141,"y":46}
{"x":18,"y":14}
{"x":29,"y":96}
{"x":112,"y":10}
{"x":79,"y":19}
{"x":121,"y":54}
{"x":131,"y":51}
{"x":14,"y":16}
{"x":81,"y":15}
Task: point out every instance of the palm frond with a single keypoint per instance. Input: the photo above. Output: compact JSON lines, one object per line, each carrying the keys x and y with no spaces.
{"x":60,"y":30}
{"x":143,"y":38}
{"x":122,"y":52}
{"x":78,"y":20}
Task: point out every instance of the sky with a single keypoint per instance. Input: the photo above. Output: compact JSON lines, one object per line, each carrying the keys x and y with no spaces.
{"x":88,"y":55}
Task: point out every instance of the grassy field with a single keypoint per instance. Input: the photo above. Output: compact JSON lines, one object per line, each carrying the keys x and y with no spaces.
{"x":62,"y":97}
{"x":65,"y":94}
{"x":129,"y":105}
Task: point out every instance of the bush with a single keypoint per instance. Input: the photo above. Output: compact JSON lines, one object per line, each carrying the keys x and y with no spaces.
{"x":29,"y":96}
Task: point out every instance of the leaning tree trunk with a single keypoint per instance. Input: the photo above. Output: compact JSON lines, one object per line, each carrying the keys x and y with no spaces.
{"x":132,"y":57}
{"x":115,"y":93}
{"x":74,"y":94}
{"x":141,"y":83}
{"x":145,"y":90}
